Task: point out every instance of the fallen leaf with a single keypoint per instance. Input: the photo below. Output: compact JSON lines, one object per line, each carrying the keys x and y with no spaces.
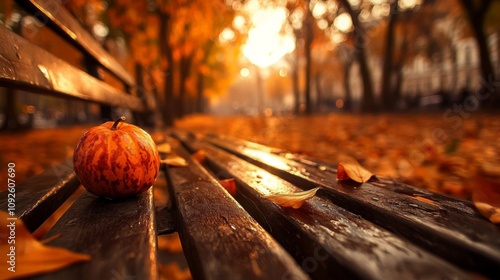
{"x":294,"y":200}
{"x":200,"y":155}
{"x":172,"y":271}
{"x":174,"y":161}
{"x":170,"y":243}
{"x":229,"y":185}
{"x":351,"y":169}
{"x":164,"y":148}
{"x":31,"y":256}
{"x":423,"y":199}
{"x":158,"y":137}
{"x":486,"y":198}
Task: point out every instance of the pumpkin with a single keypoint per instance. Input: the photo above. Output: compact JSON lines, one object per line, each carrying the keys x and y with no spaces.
{"x":116,"y":159}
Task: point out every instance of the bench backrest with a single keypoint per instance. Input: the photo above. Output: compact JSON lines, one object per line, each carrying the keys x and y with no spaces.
{"x":121,"y":245}
{"x":28,"y":67}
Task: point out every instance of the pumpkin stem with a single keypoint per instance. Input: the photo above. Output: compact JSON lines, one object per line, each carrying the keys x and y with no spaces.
{"x":121,"y":119}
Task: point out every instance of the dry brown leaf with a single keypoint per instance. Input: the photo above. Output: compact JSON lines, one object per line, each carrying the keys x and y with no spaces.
{"x":486,"y":198}
{"x":172,"y":271}
{"x":175,"y":161}
{"x":229,"y":185}
{"x":294,"y":200}
{"x":31,"y":256}
{"x":351,"y":169}
{"x":164,"y":148}
{"x":200,"y":156}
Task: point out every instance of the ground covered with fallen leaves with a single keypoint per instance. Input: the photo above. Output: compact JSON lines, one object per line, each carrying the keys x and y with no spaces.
{"x":436,"y":151}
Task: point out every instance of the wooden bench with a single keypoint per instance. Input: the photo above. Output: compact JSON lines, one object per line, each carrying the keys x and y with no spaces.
{"x":376,"y":230}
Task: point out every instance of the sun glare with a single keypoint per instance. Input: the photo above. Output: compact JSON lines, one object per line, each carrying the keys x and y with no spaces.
{"x":343,"y":22}
{"x":245,"y":72}
{"x":266,"y":43}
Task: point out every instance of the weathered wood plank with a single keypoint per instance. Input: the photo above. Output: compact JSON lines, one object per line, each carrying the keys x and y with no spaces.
{"x":220,"y":240}
{"x":55,"y":16}
{"x":328,"y":167}
{"x":450,"y":228}
{"x":119,"y":235}
{"x":40,"y":196}
{"x":26,"y":66}
{"x":327,"y":240}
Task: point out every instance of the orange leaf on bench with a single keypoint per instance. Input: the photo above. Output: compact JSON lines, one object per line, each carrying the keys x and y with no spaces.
{"x":200,"y":156}
{"x":164,"y":148}
{"x":350,"y":168}
{"x":294,"y":200}
{"x":229,"y":185}
{"x":29,"y":256}
{"x":486,"y":198}
{"x":174,"y":160}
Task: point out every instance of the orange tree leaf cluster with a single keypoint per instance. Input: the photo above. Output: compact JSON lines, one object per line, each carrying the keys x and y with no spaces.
{"x":31,"y":256}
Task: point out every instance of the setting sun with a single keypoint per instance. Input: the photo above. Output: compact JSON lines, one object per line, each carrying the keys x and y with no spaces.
{"x":267,"y":43}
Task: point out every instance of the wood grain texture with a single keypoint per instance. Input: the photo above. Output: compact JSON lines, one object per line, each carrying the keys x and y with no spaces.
{"x":26,"y":66}
{"x":120,"y":236}
{"x":220,"y":240}
{"x":326,"y":239}
{"x":39,"y":196}
{"x":450,"y":228}
{"x":56,"y":17}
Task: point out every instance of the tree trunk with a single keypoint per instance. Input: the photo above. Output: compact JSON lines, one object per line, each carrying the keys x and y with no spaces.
{"x":185,"y":69}
{"x":399,"y":84}
{"x":476,"y":12}
{"x":317,"y":83}
{"x":260,"y":91}
{"x":368,"y":104}
{"x":308,"y":24}
{"x":167,"y":63}
{"x":385,"y":91}
{"x":200,"y":86}
{"x":295,"y":85}
{"x":347,"y":86}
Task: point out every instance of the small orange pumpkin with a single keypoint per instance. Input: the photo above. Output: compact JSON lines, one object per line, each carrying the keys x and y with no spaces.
{"x":116,"y":159}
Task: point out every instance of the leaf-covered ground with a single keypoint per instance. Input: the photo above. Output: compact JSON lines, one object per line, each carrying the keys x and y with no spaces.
{"x":435,"y":151}
{"x":432,"y":151}
{"x":33,"y":151}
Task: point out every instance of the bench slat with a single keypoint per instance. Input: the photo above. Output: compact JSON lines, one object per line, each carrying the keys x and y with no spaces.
{"x":219,"y":238}
{"x":452,"y":228}
{"x":24,"y":65}
{"x":63,"y":23}
{"x":120,"y":236}
{"x":40,"y":196}
{"x":446,"y":201}
{"x":327,"y":240}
